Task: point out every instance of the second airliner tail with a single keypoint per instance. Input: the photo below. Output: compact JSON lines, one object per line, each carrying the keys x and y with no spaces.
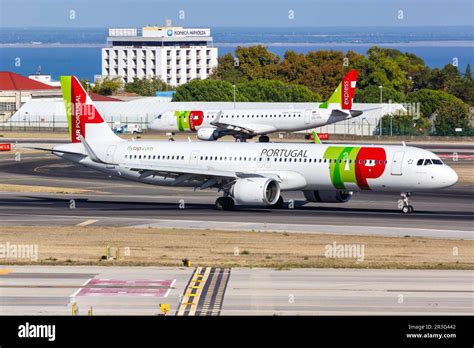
{"x":344,"y":93}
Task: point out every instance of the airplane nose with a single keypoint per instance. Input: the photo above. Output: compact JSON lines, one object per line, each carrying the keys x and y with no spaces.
{"x":450,"y":177}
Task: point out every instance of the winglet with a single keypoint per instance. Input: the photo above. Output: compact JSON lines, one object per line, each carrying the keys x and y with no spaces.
{"x":316,"y":138}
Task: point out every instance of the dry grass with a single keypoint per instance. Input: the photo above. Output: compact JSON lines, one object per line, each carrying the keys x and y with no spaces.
{"x":42,"y":189}
{"x":465,"y":172}
{"x":166,"y":247}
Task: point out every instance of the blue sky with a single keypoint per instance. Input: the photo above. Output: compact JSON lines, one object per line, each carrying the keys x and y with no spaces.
{"x":237,"y":13}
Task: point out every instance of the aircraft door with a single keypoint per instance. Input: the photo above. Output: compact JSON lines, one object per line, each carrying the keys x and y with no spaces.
{"x":397,"y":162}
{"x":307,"y":116}
{"x":110,"y":156}
{"x":193,"y":159}
{"x":171,"y":118}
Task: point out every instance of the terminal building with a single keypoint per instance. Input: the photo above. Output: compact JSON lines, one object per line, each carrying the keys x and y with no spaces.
{"x":176,"y":55}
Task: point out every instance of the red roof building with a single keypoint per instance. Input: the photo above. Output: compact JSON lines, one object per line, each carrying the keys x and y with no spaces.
{"x":16,"y":90}
{"x":10,"y":81}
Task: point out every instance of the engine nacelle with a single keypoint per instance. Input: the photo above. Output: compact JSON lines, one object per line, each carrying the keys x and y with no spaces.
{"x":256,"y":191}
{"x":208,"y":134}
{"x":323,"y":196}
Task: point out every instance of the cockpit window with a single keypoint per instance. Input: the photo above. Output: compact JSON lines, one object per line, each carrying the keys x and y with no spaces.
{"x":158,"y":117}
{"x":437,"y":161}
{"x":420,"y":162}
{"x":427,"y":162}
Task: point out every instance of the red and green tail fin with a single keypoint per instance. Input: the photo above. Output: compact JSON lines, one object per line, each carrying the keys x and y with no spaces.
{"x":344,"y":93}
{"x":82,"y":116}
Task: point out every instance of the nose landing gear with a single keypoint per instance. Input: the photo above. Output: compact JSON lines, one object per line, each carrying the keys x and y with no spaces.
{"x":225,"y":203}
{"x":404,"y":203}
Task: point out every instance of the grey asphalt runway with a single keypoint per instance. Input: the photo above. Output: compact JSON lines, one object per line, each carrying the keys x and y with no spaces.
{"x":115,"y":202}
{"x":45,"y":290}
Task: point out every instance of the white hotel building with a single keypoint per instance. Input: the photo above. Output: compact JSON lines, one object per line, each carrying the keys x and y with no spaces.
{"x":174,"y":54}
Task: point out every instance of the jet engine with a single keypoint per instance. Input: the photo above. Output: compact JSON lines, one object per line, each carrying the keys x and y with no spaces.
{"x":323,"y":196}
{"x":208,"y":134}
{"x":256,"y":191}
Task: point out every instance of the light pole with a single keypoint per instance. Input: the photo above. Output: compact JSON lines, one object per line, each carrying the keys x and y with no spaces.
{"x":233,"y":86}
{"x":381,"y":109}
{"x":391,"y":122}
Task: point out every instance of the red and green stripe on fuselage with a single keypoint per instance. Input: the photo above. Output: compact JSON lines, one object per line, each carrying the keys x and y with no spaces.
{"x":350,"y":164}
{"x":188,"y":120}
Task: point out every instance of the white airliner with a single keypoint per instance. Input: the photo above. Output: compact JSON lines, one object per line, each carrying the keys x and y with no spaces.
{"x":252,"y":174}
{"x":247,"y":123}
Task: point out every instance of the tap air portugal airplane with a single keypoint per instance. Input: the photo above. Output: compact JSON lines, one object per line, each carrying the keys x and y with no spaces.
{"x":247,"y":123}
{"x":253,"y":174}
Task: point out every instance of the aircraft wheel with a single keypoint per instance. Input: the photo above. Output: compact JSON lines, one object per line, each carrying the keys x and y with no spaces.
{"x":224,"y":203}
{"x":278,"y":204}
{"x":264,"y":139}
{"x":406,"y":209}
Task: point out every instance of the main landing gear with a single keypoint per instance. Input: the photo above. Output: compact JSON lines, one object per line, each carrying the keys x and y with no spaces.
{"x":240,"y":139}
{"x":263,"y":139}
{"x":279,"y":204}
{"x":225,"y":203}
{"x":404,"y":203}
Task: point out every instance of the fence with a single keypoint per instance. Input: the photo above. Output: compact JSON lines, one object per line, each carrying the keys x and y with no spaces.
{"x":358,"y":126}
{"x":58,"y":123}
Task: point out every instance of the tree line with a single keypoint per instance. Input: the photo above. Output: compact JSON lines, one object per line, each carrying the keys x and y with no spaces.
{"x":254,"y":74}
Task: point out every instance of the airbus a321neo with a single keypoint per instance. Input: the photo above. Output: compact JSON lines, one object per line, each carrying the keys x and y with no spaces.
{"x":245,"y":124}
{"x":253,"y":174}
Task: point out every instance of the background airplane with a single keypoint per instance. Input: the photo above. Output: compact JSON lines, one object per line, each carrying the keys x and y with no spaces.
{"x":252,"y":174}
{"x":247,"y":123}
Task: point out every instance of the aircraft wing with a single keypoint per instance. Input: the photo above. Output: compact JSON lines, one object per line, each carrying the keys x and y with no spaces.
{"x":182,"y":174}
{"x":52,"y":150}
{"x":346,"y":113}
{"x":172,"y":171}
{"x":245,"y":128}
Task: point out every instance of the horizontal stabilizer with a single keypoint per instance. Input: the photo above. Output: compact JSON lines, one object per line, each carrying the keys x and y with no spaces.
{"x":54,"y":150}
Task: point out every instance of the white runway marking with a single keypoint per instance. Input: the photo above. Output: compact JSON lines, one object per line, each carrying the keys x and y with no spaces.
{"x":87,"y":223}
{"x":385,"y":231}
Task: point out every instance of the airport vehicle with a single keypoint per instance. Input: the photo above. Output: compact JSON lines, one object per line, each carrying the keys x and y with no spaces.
{"x":245,"y":124}
{"x":253,"y":174}
{"x":131,"y":128}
